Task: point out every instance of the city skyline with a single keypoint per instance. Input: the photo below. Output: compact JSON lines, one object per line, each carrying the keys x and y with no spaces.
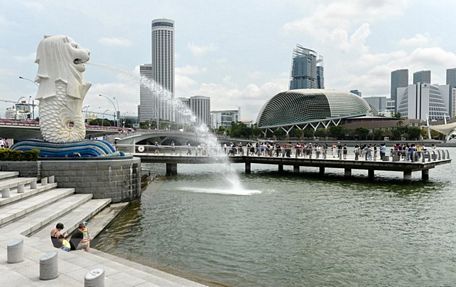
{"x":237,"y":63}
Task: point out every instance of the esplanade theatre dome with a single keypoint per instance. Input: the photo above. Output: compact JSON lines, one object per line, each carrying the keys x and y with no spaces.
{"x":300,"y":107}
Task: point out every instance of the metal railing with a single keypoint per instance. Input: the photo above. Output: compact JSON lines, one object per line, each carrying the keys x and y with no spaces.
{"x":292,"y":152}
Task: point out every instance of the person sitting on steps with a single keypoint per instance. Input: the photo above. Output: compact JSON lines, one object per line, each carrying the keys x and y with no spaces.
{"x":56,"y":235}
{"x":81,"y":238}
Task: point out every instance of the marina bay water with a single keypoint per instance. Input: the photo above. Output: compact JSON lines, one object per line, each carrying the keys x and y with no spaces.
{"x":294,"y":230}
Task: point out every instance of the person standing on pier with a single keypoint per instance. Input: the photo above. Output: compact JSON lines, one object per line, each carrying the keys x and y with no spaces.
{"x":356,"y":152}
{"x":382,"y":151}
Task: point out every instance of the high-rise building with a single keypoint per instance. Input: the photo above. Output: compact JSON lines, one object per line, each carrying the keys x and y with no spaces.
{"x":305,"y":74}
{"x":423,"y":77}
{"x":453,"y":102}
{"x":320,"y":74}
{"x":224,"y":118}
{"x":201,"y":108}
{"x":163,"y":65}
{"x":378,"y":103}
{"x":451,"y":81}
{"x":146,"y":108}
{"x":423,"y":101}
{"x":451,"y":77}
{"x":399,"y":78}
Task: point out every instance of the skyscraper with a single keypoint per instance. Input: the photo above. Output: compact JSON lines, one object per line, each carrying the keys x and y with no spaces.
{"x":451,"y":81}
{"x":399,"y":78}
{"x":201,"y":108}
{"x":163,"y":64}
{"x":424,"y":101}
{"x":451,"y":77}
{"x":423,"y":77}
{"x":146,"y":111}
{"x":305,"y":74}
{"x":320,"y":75}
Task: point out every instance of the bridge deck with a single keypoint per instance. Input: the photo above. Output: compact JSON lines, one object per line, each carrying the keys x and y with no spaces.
{"x":407,"y":167}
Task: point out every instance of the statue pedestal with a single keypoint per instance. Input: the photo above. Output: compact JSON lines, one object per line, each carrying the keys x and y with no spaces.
{"x":118,"y":178}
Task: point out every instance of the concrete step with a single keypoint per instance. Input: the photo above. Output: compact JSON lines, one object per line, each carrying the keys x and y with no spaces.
{"x":14,"y":182}
{"x":52,"y":212}
{"x":27,"y":193}
{"x":20,"y":208}
{"x":8,"y":174}
{"x":74,"y":265}
{"x":72,"y":219}
{"x":101,"y":220}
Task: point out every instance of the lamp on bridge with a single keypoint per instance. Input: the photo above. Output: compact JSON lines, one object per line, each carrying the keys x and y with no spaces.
{"x":116,"y":109}
{"x":31,"y":102}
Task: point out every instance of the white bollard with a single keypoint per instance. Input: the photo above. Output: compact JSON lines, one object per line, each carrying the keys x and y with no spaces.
{"x":44,"y":181}
{"x":20,"y":188}
{"x":33,"y":184}
{"x":51,"y":179}
{"x":95,"y":278}
{"x":15,"y":251}
{"x":49,"y":266}
{"x":6,"y":193}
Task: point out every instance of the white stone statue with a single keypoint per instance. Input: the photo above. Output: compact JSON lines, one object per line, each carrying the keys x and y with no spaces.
{"x":61,"y":88}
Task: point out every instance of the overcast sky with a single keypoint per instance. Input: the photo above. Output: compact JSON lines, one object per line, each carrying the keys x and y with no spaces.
{"x":238,"y":52}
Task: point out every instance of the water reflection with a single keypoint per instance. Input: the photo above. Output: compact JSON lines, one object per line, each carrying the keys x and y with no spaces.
{"x":301,"y":230}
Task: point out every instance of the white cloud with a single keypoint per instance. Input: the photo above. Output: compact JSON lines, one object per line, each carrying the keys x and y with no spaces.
{"x":249,"y":98}
{"x":35,"y":6}
{"x":126,"y":94}
{"x":344,"y":15}
{"x":419,"y":40}
{"x":201,"y":50}
{"x":190,"y":70}
{"x":114,"y":41}
{"x":371,"y":72}
{"x":30,"y":58}
{"x":5,"y":22}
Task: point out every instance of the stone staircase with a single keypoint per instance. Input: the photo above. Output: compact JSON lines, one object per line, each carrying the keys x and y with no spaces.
{"x":32,"y":210}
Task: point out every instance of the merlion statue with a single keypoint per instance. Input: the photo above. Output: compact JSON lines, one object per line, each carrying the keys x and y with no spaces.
{"x":61,"y":89}
{"x":61,"y":92}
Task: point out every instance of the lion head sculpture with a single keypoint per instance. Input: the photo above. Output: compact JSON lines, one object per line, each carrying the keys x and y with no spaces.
{"x":60,"y":58}
{"x":61,"y":89}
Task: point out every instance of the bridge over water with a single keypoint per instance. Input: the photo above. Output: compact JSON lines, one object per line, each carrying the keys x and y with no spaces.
{"x":29,"y":129}
{"x":172,"y":156}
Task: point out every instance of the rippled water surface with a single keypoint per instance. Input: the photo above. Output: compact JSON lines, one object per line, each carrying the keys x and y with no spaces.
{"x":295,"y":230}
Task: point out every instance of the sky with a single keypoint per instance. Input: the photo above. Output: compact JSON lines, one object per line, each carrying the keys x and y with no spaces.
{"x":237,"y":52}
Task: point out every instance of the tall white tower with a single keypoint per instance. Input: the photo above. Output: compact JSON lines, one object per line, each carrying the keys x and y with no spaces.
{"x":163,"y":63}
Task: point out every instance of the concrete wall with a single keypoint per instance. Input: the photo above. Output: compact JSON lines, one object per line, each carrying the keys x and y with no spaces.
{"x":118,"y":179}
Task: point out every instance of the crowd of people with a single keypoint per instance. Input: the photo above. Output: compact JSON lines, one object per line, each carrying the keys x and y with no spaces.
{"x":408,"y":152}
{"x":79,"y":240}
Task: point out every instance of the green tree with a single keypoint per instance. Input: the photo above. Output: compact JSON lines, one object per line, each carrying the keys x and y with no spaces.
{"x":361,"y":133}
{"x":337,"y":132}
{"x":321,"y":133}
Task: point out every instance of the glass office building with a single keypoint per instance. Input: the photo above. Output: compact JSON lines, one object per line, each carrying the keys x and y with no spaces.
{"x":307,"y":69}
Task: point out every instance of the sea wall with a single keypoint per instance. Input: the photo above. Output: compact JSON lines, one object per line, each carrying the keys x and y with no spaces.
{"x":115,"y":178}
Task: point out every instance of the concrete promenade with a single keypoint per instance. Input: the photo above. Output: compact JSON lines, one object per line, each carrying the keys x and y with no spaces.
{"x":30,"y":210}
{"x":424,"y":164}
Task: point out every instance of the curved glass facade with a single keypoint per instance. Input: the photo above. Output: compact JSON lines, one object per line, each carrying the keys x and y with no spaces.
{"x":424,"y":101}
{"x":297,"y":107}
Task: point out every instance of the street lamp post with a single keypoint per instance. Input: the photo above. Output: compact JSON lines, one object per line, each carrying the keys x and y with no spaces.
{"x":31,"y":102}
{"x":116,"y":109}
{"x":102,"y":117}
{"x":86,"y":111}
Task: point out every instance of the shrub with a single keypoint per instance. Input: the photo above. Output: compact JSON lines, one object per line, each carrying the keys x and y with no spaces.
{"x":17,"y":155}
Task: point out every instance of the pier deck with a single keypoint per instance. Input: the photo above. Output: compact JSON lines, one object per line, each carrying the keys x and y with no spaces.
{"x":406,"y":167}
